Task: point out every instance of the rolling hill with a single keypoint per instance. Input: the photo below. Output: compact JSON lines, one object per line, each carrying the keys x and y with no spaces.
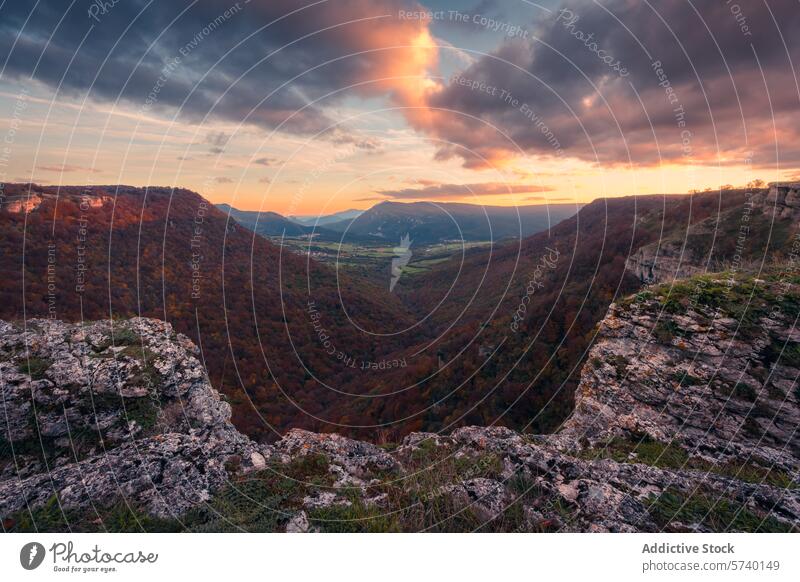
{"x":516,"y":321}
{"x":274,"y":225}
{"x":434,"y":222}
{"x":265,"y":223}
{"x":313,"y":219}
{"x":490,"y":336}
{"x":270,"y":324}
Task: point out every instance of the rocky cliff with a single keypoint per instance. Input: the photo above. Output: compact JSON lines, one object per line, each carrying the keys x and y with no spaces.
{"x":753,"y":230}
{"x":97,"y":412}
{"x":686,"y":420}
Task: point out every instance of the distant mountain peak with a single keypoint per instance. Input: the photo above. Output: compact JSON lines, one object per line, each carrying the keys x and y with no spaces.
{"x":430,"y":222}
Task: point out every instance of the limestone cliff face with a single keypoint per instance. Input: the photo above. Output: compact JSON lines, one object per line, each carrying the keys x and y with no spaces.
{"x":669,"y":259}
{"x":685,"y":420}
{"x":710,"y":365}
{"x":785,"y":197}
{"x":736,"y":237}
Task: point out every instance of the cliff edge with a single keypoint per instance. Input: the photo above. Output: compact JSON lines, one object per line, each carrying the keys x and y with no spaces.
{"x":686,"y":420}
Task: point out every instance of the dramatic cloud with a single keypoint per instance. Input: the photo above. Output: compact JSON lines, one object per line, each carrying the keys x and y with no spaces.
{"x":623,"y":82}
{"x":264,"y":63}
{"x":611,"y":82}
{"x":440,"y":191}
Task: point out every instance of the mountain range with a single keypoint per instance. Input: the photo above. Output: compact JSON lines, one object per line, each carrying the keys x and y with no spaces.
{"x":622,"y":371}
{"x":322,"y":220}
{"x":435,"y":222}
{"x":490,"y":335}
{"x":276,"y":226}
{"x":424,"y":223}
{"x":267,"y":223}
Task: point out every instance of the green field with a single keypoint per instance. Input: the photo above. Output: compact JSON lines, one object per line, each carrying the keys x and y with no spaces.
{"x":373,"y":261}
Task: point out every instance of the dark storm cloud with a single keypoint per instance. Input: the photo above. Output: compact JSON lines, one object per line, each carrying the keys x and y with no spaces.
{"x":204,"y":57}
{"x":587,"y":84}
{"x":582,"y":84}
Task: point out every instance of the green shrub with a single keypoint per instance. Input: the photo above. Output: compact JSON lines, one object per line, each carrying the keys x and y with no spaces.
{"x":666,"y":330}
{"x":686,"y":379}
{"x":620,"y":364}
{"x":34,"y":367}
{"x":644,"y":450}
{"x":121,"y":336}
{"x":740,"y":390}
{"x":712,"y":512}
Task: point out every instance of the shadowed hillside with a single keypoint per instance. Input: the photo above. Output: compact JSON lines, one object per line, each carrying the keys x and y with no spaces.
{"x":486,"y":337}
{"x":105,"y":252}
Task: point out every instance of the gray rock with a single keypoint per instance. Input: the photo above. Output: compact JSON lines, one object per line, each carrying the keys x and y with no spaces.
{"x":141,"y":422}
{"x":154,"y":433}
{"x":300,"y":524}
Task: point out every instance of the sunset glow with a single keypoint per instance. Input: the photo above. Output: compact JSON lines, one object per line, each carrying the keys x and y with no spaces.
{"x":436,"y":92}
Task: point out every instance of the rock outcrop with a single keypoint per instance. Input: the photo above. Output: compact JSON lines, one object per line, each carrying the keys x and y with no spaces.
{"x":686,"y":420}
{"x":667,"y":260}
{"x":785,"y":198}
{"x":711,"y":366}
{"x":494,"y":479}
{"x":93,"y":413}
{"x":26,"y":199}
{"x":736,"y":238}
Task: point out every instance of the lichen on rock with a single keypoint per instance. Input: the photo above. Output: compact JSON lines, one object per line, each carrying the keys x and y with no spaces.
{"x":119,"y":410}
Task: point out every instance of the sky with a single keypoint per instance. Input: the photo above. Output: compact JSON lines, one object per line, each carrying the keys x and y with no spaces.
{"x":308,"y":107}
